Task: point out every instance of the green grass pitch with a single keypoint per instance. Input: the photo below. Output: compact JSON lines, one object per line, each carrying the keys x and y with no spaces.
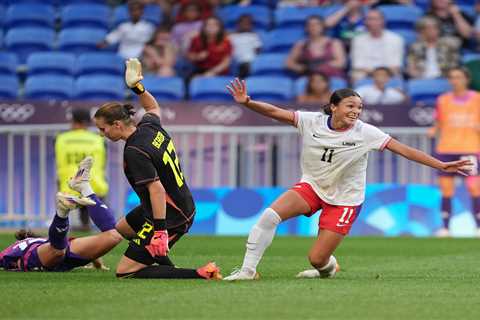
{"x":381,"y":278}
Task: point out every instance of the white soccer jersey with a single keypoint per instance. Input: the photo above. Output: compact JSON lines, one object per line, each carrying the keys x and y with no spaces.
{"x":334,"y":163}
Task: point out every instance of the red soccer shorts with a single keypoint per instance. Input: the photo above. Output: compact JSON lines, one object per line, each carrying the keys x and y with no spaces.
{"x":338,"y":219}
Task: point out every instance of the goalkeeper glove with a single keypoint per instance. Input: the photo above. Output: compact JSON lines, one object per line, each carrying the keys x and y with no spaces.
{"x":133,"y":75}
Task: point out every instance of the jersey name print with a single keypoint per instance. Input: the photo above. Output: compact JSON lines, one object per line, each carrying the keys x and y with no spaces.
{"x":333,"y":162}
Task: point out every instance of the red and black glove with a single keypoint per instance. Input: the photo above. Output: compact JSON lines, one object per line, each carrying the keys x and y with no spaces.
{"x":159,"y":243}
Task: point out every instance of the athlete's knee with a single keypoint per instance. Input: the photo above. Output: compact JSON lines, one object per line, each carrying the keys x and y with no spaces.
{"x":318,"y":260}
{"x":115,"y":236}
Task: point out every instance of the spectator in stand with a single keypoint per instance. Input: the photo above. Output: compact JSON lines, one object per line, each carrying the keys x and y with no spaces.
{"x":376,"y":48}
{"x":348,"y":21}
{"x":246,"y":44}
{"x":183,"y":32}
{"x":167,"y":7}
{"x":452,"y":21}
{"x":376,"y":3}
{"x":131,"y":35}
{"x":431,"y":56}
{"x":317,"y":90}
{"x":317,"y":53}
{"x":378,"y":93}
{"x":211,"y":50}
{"x":159,"y":55}
{"x":206,"y":8}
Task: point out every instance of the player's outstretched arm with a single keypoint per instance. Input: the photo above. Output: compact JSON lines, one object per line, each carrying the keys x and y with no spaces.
{"x":462,"y":167}
{"x":133,"y":76}
{"x":238,"y":90}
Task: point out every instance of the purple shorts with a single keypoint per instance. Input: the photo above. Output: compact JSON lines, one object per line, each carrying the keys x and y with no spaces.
{"x":447,"y":157}
{"x":31,"y":261}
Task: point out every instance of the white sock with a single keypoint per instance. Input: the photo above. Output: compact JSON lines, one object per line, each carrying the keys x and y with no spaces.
{"x":86,"y":189}
{"x":260,"y":238}
{"x":331,"y":264}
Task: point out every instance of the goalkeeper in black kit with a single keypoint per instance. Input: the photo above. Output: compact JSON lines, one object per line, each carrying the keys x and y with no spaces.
{"x":151,"y":165}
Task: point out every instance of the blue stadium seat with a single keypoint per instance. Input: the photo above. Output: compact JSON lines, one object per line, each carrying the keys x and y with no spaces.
{"x":295,"y":17}
{"x":80,"y":40}
{"x":152,"y":13}
{"x":165,"y":88}
{"x":270,"y":88}
{"x":335,"y":84}
{"x":210,"y":88}
{"x":24,"y":41}
{"x":67,"y":2}
{"x":100,"y":63}
{"x":61,"y":63}
{"x":409,"y":36}
{"x":8,"y":86}
{"x":94,"y":87}
{"x":470,"y":56}
{"x":49,"y":2}
{"x":396,"y":82}
{"x":8,"y":63}
{"x":260,"y":15}
{"x":269,"y":64}
{"x":46,"y":87}
{"x":30,"y":15}
{"x":427,"y":90}
{"x":266,"y":3}
{"x":281,"y":40}
{"x":86,"y":15}
{"x":401,"y":16}
{"x":2,"y":15}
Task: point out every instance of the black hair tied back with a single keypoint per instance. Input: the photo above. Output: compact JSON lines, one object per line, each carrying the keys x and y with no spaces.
{"x":326,"y":108}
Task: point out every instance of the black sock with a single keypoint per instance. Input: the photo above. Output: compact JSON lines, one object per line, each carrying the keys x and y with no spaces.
{"x":164,"y":261}
{"x":162,"y":272}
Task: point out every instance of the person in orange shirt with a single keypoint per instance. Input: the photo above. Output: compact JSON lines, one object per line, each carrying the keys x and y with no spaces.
{"x":458,"y":129}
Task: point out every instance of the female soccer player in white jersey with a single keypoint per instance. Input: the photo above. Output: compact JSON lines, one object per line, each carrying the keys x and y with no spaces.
{"x":334,"y":162}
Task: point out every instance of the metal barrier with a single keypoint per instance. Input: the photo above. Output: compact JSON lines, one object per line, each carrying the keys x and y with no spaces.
{"x":211,"y":156}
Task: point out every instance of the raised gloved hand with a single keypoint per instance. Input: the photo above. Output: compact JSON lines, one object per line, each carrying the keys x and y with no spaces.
{"x":158,"y":244}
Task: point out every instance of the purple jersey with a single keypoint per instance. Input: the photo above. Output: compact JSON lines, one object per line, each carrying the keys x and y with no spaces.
{"x":23,"y":256}
{"x":16,"y":256}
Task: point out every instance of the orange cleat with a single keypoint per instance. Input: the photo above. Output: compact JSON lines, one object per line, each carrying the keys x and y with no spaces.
{"x":210,"y":271}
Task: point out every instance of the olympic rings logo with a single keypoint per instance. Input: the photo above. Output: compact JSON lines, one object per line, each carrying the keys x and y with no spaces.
{"x":222,"y":114}
{"x":372,"y":116}
{"x":16,"y":112}
{"x":422,"y":115}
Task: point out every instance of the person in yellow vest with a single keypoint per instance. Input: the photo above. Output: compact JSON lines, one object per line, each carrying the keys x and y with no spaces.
{"x":458,"y":128}
{"x":74,"y":145}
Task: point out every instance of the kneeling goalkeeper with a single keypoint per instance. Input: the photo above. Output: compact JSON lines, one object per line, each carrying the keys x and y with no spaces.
{"x":153,"y":170}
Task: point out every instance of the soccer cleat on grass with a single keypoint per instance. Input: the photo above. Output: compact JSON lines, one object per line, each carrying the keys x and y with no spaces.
{"x":82,"y":176}
{"x":66,"y":202}
{"x":315,"y":273}
{"x":242,"y":274}
{"x":210,"y":271}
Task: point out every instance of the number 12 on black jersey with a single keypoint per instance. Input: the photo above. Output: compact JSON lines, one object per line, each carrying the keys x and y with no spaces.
{"x":169,"y":157}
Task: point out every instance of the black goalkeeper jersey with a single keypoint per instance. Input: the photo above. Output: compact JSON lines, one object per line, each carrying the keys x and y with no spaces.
{"x":149,"y":155}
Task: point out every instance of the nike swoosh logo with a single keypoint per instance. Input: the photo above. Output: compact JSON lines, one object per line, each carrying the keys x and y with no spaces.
{"x":104,"y":206}
{"x":316,"y":136}
{"x":341,"y":225}
{"x":61,"y":229}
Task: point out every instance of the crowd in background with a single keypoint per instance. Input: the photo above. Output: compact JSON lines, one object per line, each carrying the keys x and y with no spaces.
{"x":351,"y":43}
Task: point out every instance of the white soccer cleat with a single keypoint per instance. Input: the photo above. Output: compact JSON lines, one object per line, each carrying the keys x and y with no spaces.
{"x":66,"y":202}
{"x":83,"y":174}
{"x":242,"y":274}
{"x":315,"y":273}
{"x":310,"y":273}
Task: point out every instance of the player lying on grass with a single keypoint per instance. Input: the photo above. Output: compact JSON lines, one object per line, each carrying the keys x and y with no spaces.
{"x":334,"y":164}
{"x":153,"y":169}
{"x":58,"y":253}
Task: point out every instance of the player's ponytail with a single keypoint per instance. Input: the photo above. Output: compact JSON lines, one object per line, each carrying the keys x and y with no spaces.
{"x":327,"y":109}
{"x":115,"y":111}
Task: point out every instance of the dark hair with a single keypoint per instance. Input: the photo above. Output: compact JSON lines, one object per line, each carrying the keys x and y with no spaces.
{"x":464,"y":70}
{"x":387,"y":70}
{"x":81,"y":116}
{"x":115,"y":111}
{"x":164,"y":27}
{"x":315,"y":17}
{"x":325,"y":78}
{"x":337,"y":97}
{"x":220,"y":35}
{"x":25,"y":233}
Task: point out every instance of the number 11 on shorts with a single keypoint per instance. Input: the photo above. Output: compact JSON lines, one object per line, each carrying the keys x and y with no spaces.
{"x":347,"y":213}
